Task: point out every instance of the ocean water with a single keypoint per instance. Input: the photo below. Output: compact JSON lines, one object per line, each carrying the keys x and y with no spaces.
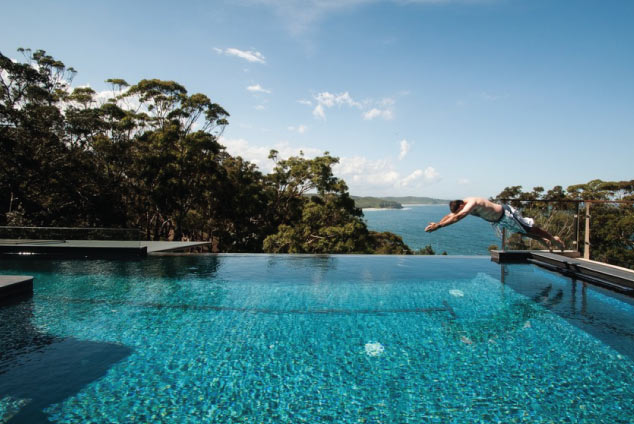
{"x":470,"y":236}
{"x":312,"y":339}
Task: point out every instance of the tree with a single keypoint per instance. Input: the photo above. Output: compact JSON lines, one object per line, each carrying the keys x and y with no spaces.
{"x":38,"y":169}
{"x":235,"y":212}
{"x":174,"y":160}
{"x":327,"y":222}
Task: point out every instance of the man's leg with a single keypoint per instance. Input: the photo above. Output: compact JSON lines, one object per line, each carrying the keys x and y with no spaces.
{"x":545,"y":237}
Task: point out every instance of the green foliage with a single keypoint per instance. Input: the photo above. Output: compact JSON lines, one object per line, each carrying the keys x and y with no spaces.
{"x":387,"y":243}
{"x":149,"y":158}
{"x":427,"y":250}
{"x":612,"y":234}
{"x":328,"y":222}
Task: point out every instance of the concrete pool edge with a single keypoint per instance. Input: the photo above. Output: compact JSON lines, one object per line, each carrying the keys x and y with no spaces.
{"x":15,"y":286}
{"x":92,"y":249}
{"x":604,"y":275}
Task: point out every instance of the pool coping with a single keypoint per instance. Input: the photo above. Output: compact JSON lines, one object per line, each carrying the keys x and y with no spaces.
{"x":15,"y":286}
{"x":92,"y":248}
{"x":567,"y":263}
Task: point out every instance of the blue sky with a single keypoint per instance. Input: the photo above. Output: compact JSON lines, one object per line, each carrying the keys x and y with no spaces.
{"x":432,"y":98}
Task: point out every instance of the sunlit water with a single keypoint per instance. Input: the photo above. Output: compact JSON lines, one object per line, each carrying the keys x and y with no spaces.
{"x":470,"y":236}
{"x":292,"y":339}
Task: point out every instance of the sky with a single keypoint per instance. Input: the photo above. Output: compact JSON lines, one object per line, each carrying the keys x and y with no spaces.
{"x":437,"y":98}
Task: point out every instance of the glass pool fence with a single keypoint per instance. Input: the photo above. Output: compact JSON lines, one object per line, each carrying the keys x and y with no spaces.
{"x":600,"y":230}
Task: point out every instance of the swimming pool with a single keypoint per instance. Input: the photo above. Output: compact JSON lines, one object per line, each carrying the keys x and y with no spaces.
{"x":344,"y":339}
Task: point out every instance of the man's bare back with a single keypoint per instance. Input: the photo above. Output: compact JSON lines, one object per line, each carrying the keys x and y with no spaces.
{"x":484,"y":208}
{"x":477,"y":206}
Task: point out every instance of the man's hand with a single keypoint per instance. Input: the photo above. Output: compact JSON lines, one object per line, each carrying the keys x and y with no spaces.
{"x":432,"y":227}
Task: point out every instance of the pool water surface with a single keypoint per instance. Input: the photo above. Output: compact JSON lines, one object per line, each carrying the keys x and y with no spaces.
{"x":291,"y":339}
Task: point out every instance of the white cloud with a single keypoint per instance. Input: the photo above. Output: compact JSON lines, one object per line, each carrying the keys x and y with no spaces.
{"x":300,"y":129}
{"x":371,"y":114}
{"x":463,"y":181}
{"x":412,"y":177}
{"x":386,"y":114}
{"x":361,"y":171}
{"x":318,"y":112}
{"x":328,"y":100}
{"x":257,"y":88}
{"x":375,"y":176}
{"x":431,"y":174}
{"x":370,"y":109}
{"x":363,"y":175}
{"x":248,"y":55}
{"x":259,"y":155}
{"x":260,"y":107}
{"x":382,"y":109}
{"x":420,"y":177}
{"x":305,"y":102}
{"x":241,"y":147}
{"x":405,"y":147}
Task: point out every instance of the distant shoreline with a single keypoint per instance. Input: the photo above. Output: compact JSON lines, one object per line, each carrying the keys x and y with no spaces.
{"x":379,"y":203}
{"x":405,"y":207}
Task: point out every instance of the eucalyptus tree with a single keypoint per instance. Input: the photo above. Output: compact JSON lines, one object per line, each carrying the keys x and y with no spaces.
{"x":237,"y":207}
{"x":176,"y":156}
{"x":38,"y":170}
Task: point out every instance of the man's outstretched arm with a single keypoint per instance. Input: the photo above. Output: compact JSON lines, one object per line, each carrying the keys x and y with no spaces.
{"x":451,"y":218}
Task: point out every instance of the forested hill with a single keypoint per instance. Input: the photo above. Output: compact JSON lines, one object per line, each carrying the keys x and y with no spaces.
{"x":375,"y":203}
{"x":413,"y":200}
{"x":149,"y":158}
{"x":394,"y":202}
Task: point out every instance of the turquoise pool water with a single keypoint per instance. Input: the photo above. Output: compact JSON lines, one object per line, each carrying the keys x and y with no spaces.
{"x":291,"y":339}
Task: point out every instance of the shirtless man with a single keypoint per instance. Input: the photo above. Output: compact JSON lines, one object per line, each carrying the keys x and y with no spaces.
{"x":503,"y":216}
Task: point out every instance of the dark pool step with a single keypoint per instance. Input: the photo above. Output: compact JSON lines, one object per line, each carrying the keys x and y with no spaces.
{"x":14,"y":286}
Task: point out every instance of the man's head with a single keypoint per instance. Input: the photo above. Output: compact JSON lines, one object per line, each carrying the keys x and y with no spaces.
{"x":455,"y":205}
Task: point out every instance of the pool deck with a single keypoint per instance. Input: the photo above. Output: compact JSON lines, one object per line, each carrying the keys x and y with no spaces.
{"x":93,"y":248}
{"x":567,"y":263}
{"x":12,"y":286}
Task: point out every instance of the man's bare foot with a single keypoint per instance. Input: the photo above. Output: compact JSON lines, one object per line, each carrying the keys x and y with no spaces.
{"x":548,"y":244}
{"x":560,"y":243}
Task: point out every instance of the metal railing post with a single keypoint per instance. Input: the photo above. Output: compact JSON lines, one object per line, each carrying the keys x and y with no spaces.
{"x":577,"y":216}
{"x":503,"y":239}
{"x":586,"y":244}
